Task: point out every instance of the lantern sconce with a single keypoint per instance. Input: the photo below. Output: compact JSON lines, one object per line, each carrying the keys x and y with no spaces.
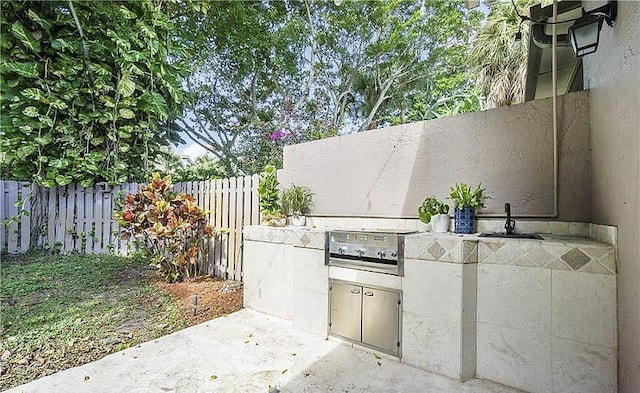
{"x":584,"y":34}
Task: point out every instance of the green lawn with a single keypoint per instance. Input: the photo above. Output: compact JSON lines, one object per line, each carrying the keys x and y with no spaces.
{"x":63,"y":311}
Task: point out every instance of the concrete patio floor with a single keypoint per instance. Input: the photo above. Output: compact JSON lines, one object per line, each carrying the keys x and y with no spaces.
{"x":248,"y":352}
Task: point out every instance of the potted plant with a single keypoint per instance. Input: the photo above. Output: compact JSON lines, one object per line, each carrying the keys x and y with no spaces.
{"x":467,"y":200}
{"x":296,"y":203}
{"x":270,"y":208}
{"x":435,"y":212}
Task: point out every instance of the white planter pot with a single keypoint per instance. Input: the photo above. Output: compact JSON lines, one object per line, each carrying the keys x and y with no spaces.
{"x":298,"y":221}
{"x":440,"y":223}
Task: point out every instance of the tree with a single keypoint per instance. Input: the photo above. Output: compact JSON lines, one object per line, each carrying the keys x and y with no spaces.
{"x":185,"y":169}
{"x":372,"y":67}
{"x":245,"y":78}
{"x":304,"y":70}
{"x":500,"y":62}
{"x":89,"y":89}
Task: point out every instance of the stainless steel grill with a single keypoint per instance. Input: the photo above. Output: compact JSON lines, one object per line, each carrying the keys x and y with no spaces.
{"x":375,"y":251}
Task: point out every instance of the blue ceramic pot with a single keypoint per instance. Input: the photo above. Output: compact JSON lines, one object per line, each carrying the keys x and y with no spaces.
{"x":464,"y":220}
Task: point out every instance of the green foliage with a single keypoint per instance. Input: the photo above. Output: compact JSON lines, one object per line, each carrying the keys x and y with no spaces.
{"x":430,"y":207}
{"x":245,"y":79}
{"x":185,"y":169}
{"x":297,"y":200}
{"x":311,"y":69}
{"x":87,"y":105}
{"x":268,"y":192}
{"x":465,"y":196}
{"x":498,"y":62}
{"x":171,"y":227}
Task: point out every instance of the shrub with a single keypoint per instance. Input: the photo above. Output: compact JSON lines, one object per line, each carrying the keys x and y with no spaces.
{"x":297,"y":200}
{"x":269,"y":194}
{"x":171,"y":227}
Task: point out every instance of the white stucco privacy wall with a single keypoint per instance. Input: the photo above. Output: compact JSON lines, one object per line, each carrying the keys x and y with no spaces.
{"x":388,"y":172}
{"x":613,"y":76}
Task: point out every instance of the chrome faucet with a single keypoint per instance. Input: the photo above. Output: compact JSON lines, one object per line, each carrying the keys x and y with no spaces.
{"x":510,"y":225}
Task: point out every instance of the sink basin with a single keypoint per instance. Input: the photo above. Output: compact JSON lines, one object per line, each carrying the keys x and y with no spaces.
{"x":513,"y":235}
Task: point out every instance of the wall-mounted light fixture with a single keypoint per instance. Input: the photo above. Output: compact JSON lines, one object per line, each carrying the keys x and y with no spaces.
{"x":584,"y":34}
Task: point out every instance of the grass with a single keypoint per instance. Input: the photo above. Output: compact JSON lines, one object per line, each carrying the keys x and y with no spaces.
{"x":63,"y":311}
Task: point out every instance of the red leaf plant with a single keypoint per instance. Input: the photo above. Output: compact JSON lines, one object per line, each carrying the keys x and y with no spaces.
{"x":170,"y":226}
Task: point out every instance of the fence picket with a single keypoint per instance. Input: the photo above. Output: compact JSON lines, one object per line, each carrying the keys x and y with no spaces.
{"x":77,"y":219}
{"x":52,"y":210}
{"x":218,"y":239}
{"x":237,"y":236}
{"x":106,"y":219}
{"x":69,"y":229}
{"x":89,"y":231}
{"x":224,"y":255}
{"x":25,"y":220}
{"x":80,"y":235}
{"x":4,"y":200}
{"x":12,"y":215}
{"x":255,"y":204}
{"x":231,"y":238}
{"x":39,"y":206}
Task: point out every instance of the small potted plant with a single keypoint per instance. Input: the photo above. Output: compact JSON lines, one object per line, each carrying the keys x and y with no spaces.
{"x":467,"y":200}
{"x":296,"y":203}
{"x":270,"y":208}
{"x":435,"y":212}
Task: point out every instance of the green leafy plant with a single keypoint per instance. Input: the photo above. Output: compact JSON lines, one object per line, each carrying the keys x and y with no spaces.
{"x":88,"y":89}
{"x":297,"y":200}
{"x":430,"y":207}
{"x":171,"y":227}
{"x":465,"y":196}
{"x":270,"y":196}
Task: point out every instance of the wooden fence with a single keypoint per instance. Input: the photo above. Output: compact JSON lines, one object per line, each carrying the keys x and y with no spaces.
{"x":76,"y":219}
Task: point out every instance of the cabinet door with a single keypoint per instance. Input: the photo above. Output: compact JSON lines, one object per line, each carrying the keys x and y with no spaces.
{"x":345,"y":304}
{"x":380,"y":320}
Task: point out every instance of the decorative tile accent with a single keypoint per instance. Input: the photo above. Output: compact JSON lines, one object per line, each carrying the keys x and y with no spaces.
{"x":469,"y":251}
{"x":494,"y":246}
{"x":608,"y":260}
{"x":575,"y":258}
{"x":558,"y":253}
{"x":594,"y":267}
{"x":541,"y":256}
{"x":440,"y":248}
{"x":305,"y":238}
{"x":436,"y":250}
{"x":557,"y":264}
{"x":264,"y":234}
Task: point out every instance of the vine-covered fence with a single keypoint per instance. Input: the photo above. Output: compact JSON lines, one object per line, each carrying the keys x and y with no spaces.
{"x":76,"y":219}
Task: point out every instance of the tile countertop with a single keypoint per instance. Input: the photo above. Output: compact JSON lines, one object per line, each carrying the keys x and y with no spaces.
{"x":570,"y":253}
{"x":553,"y":252}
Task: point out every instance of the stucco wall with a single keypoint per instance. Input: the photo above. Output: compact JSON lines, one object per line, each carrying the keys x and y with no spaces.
{"x":389,"y":172}
{"x":613,"y":76}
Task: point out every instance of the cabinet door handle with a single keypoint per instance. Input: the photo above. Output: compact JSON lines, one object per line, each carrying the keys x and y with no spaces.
{"x":355,"y":291}
{"x":368,"y":293}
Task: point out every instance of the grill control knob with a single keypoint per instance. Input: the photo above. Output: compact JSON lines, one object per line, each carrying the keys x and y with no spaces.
{"x":394,"y":254}
{"x":360,"y":252}
{"x":341,"y":250}
{"x":382,"y":254}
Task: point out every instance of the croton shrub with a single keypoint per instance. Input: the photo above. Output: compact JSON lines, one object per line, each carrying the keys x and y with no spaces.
{"x":170,"y":226}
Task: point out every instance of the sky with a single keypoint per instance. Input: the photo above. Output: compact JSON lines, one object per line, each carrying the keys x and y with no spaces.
{"x":190,"y":149}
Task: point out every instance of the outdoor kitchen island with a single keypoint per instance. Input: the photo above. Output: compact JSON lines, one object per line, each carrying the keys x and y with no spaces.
{"x":538,"y":315}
